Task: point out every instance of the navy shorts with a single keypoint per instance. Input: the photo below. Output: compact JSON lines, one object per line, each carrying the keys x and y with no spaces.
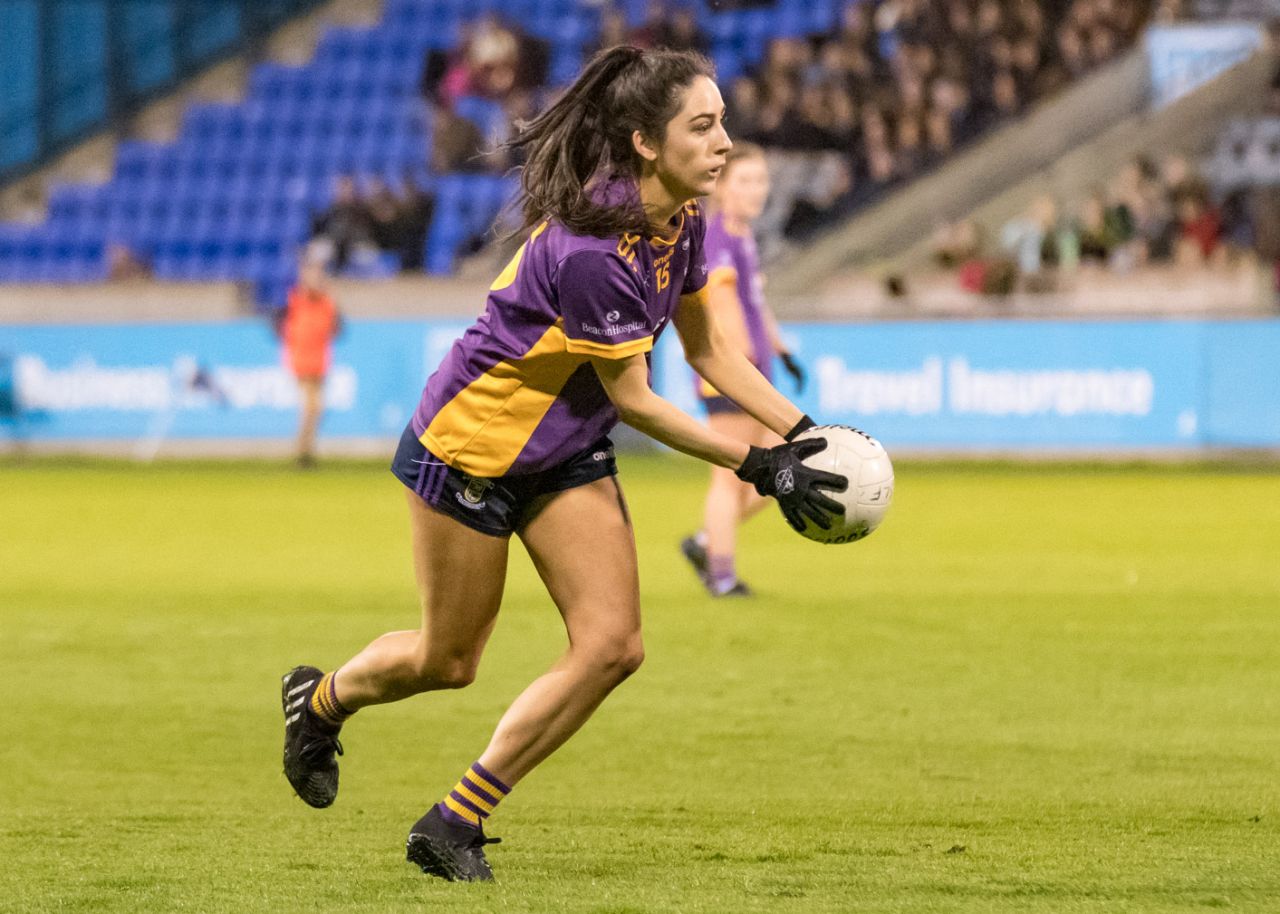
{"x":716,"y":403}
{"x":720,"y":405}
{"x":500,"y":506}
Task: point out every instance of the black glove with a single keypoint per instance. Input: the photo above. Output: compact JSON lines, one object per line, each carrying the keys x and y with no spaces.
{"x":780,"y":472}
{"x":803,"y":425}
{"x":794,"y":368}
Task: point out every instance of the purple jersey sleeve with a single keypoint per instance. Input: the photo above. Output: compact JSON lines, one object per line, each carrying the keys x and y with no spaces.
{"x":722,"y":265}
{"x":696,"y":278}
{"x":721,"y":258}
{"x":723,"y":254}
{"x":603,"y":306}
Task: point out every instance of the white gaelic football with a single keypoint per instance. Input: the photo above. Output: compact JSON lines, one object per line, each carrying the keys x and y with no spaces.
{"x":862,"y":460}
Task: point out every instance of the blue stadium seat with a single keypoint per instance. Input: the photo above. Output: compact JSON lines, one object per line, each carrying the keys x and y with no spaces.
{"x":728,"y":63}
{"x":486,"y":114}
{"x":466,"y":206}
{"x":14,"y":252}
{"x":566,"y":62}
{"x":75,"y":205}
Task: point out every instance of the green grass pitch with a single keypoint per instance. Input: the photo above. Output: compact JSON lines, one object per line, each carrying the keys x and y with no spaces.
{"x":1044,"y":689}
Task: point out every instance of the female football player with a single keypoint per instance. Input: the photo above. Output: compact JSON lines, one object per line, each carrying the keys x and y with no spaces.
{"x":510,"y":435}
{"x":736,"y":301}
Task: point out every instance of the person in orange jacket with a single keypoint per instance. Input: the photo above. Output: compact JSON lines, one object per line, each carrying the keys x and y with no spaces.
{"x":308,"y":327}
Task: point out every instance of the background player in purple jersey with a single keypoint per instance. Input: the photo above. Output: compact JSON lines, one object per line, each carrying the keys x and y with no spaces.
{"x":510,"y":435}
{"x":735,"y":296}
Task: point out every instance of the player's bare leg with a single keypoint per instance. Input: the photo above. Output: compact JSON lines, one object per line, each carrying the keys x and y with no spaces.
{"x":729,"y":503}
{"x":750,"y":501}
{"x":582,"y":545}
{"x":460,"y":575}
{"x":311,"y":392}
{"x":581,"y":542}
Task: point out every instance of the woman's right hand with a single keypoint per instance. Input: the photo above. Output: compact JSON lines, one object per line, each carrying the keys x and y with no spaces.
{"x":780,"y":472}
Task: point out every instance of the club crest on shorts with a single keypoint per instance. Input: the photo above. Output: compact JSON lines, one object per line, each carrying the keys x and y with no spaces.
{"x":476,"y":489}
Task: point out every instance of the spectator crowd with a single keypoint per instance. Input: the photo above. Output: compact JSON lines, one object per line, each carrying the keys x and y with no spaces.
{"x":357,"y":226}
{"x":903,"y":83}
{"x":1165,"y":211}
{"x":1157,"y":213}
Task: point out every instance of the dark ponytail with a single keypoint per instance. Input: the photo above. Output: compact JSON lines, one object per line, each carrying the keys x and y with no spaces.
{"x":586,"y":136}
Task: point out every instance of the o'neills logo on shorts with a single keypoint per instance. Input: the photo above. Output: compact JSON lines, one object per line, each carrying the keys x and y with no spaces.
{"x":615,"y":329}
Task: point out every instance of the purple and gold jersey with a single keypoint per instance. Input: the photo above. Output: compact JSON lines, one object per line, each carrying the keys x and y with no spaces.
{"x":732,"y":258}
{"x":517,"y":393}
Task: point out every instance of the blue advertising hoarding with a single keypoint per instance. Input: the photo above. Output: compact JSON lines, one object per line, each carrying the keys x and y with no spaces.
{"x":211,"y":380}
{"x":1002,"y":384}
{"x":1242,"y":384}
{"x":918,"y":385}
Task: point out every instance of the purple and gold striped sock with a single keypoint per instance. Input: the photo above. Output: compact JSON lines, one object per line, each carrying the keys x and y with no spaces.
{"x":721,"y":572}
{"x":325,"y":704}
{"x":474,"y":797}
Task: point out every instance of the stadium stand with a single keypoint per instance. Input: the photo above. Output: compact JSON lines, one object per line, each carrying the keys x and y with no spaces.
{"x":1152,"y":213}
{"x":1199,"y":214}
{"x":235,"y":196}
{"x":1247,"y":154}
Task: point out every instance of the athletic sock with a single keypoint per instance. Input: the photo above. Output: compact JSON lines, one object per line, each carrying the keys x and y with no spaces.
{"x":721,"y":573}
{"x":325,"y":704}
{"x":474,"y":797}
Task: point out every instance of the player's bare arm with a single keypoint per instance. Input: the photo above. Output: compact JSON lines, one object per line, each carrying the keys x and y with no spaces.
{"x":626,"y":381}
{"x":726,"y":312}
{"x":729,"y":371}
